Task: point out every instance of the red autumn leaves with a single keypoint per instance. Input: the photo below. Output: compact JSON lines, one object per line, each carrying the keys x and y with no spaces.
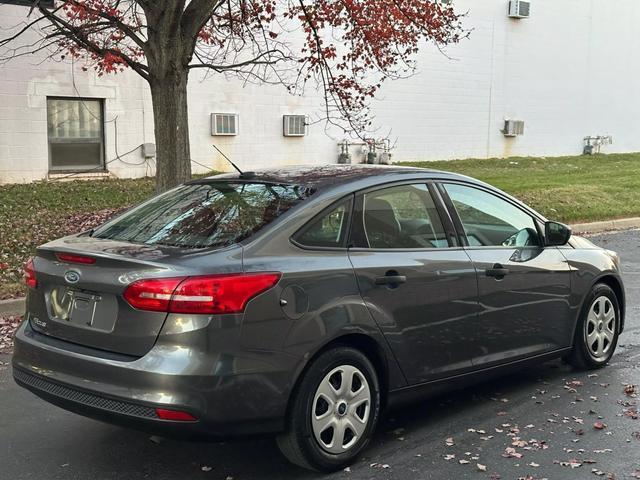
{"x":349,"y":46}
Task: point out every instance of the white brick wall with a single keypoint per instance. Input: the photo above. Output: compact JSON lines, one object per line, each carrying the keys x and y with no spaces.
{"x":568,"y":71}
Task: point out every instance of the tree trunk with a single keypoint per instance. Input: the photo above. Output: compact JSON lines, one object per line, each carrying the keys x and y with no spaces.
{"x":171,"y":125}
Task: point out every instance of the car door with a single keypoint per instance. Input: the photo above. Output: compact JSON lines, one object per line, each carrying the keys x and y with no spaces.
{"x":523,"y":287}
{"x":418,"y":284}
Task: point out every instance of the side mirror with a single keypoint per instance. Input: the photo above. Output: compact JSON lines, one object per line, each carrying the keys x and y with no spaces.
{"x":556,"y":234}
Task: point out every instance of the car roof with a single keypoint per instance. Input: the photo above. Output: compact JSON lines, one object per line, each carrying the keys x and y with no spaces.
{"x":338,"y":179}
{"x":323,"y":177}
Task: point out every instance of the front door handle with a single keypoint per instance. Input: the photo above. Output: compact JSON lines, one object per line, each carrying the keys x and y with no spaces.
{"x":391,"y":279}
{"x":498,"y":272}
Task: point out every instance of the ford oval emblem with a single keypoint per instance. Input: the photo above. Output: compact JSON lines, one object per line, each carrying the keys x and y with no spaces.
{"x":72,"y":276}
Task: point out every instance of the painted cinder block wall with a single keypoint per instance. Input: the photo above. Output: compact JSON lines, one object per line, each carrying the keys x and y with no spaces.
{"x":568,"y":71}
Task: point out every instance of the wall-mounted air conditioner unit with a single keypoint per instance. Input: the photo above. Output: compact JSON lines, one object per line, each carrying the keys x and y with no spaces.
{"x":294,"y":125}
{"x":519,"y":9}
{"x":224,"y":124}
{"x":513,"y":128}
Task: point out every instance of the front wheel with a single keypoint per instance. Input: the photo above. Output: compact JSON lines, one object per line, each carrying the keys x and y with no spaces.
{"x":334,"y":411}
{"x":597,"y":330}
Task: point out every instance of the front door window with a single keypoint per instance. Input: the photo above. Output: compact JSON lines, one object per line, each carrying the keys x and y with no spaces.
{"x":490,"y":221}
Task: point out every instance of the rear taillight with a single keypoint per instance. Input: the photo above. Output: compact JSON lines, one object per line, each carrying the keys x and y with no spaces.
{"x":154,"y":295}
{"x":72,"y":258}
{"x":30,"y":274}
{"x":215,"y":294}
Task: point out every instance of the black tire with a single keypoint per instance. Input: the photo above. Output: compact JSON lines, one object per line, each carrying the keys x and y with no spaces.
{"x":581,"y":355}
{"x":299,"y":443}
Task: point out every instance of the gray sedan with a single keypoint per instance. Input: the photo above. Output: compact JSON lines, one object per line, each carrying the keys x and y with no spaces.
{"x":303,"y":302}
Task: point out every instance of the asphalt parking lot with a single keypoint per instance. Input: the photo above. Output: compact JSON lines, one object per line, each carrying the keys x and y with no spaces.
{"x":546,"y":422}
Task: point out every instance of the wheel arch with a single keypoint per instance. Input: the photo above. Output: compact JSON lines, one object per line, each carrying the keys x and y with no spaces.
{"x":614,"y":282}
{"x":362,"y":342}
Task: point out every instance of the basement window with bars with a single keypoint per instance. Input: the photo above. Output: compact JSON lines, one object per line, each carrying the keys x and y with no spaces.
{"x":76,"y":134}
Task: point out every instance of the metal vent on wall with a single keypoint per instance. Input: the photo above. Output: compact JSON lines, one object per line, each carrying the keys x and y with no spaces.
{"x":513,"y":128}
{"x":519,"y":9}
{"x":224,"y":124}
{"x":295,"y":125}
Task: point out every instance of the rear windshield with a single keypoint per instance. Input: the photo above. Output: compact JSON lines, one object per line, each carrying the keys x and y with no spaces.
{"x":204,"y":215}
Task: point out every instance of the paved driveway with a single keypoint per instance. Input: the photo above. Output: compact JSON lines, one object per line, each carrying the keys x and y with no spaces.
{"x":547,"y":414}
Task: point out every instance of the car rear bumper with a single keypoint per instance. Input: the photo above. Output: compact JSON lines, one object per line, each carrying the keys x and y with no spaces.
{"x":224,"y":402}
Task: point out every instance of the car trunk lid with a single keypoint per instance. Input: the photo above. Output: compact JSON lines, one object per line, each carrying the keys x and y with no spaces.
{"x":83,"y":303}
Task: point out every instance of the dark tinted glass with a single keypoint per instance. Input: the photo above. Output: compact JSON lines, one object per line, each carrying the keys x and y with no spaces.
{"x":329,"y":230}
{"x":403,"y":217}
{"x":490,"y":221}
{"x":204,"y":215}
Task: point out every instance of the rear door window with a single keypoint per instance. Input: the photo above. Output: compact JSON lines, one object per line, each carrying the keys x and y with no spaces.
{"x":403,"y":217}
{"x":212,"y":214}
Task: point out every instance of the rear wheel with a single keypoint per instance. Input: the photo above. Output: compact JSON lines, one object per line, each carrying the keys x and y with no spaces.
{"x":334,"y":411}
{"x":597,"y":330}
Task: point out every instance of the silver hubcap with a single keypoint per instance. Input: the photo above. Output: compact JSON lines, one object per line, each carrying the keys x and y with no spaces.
{"x":341,"y":409}
{"x":601,"y":328}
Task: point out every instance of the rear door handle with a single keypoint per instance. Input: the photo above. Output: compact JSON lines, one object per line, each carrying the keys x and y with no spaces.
{"x":391,"y":280}
{"x":498,"y":271}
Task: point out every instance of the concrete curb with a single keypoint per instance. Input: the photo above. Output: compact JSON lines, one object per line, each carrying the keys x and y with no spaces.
{"x":606,"y":226}
{"x":13,"y":306}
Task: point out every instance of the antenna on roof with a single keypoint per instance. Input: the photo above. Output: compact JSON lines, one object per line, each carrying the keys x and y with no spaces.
{"x":243,"y":175}
{"x":228,"y":160}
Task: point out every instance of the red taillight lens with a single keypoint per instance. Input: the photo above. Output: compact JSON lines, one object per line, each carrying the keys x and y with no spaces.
{"x":71,"y":258}
{"x":216,"y":294}
{"x":153,"y":295}
{"x":175,"y":415}
{"x":220,"y":294}
{"x":30,"y":274}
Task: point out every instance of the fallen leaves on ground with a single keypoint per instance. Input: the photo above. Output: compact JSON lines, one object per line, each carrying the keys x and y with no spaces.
{"x":573,"y":463}
{"x":511,"y":452}
{"x":8,"y":327}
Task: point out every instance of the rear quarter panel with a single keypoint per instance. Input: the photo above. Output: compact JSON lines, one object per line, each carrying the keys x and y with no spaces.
{"x":323,"y":302}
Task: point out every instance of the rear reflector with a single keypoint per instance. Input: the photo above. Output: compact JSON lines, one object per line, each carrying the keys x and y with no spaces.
{"x":175,"y":415}
{"x":214,"y":294}
{"x":71,"y":258}
{"x":30,"y":274}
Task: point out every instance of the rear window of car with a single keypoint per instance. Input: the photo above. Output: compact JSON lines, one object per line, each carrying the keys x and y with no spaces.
{"x":204,"y":215}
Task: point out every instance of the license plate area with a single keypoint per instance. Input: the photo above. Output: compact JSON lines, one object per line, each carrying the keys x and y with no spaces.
{"x":79,"y":308}
{"x":83,"y":309}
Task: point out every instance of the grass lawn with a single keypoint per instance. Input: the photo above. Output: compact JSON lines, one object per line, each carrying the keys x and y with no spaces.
{"x":569,"y":189}
{"x":33,"y":214}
